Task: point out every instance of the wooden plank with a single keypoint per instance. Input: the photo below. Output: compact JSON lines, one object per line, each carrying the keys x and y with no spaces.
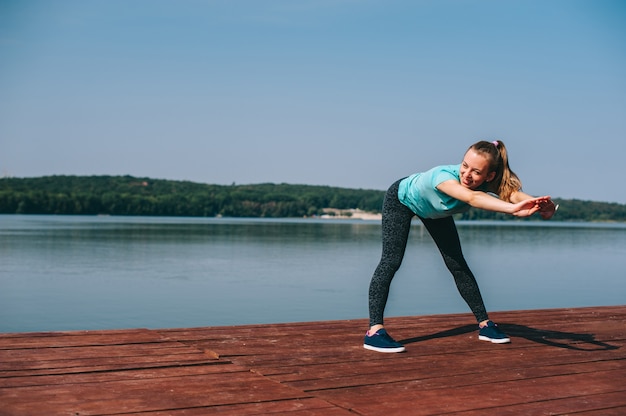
{"x":148,"y":394}
{"x":433,"y":373}
{"x":137,"y":373}
{"x":298,"y":407}
{"x":77,"y":338}
{"x":587,"y":406}
{"x":485,"y":397}
{"x":40,"y":361}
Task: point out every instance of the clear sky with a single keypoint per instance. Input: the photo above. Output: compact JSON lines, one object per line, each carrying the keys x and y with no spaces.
{"x":349,"y":93}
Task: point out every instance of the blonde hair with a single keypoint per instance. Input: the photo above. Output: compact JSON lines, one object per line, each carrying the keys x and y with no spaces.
{"x":506,"y":182}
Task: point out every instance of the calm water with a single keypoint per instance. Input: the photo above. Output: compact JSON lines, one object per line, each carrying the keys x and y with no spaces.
{"x":66,"y":273}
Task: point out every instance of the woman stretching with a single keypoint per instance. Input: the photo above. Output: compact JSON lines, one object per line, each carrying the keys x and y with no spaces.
{"x":434,"y":196}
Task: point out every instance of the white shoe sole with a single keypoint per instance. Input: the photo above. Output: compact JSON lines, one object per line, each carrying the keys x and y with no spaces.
{"x":378,"y":349}
{"x":494,"y":340}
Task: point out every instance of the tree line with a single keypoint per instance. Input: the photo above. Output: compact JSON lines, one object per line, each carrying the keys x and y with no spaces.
{"x":127,"y":195}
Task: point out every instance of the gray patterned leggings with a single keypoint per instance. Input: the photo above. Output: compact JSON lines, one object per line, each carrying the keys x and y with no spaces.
{"x":396,"y":224}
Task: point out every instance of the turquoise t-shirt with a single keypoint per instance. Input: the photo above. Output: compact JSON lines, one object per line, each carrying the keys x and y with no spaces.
{"x":419,"y":192}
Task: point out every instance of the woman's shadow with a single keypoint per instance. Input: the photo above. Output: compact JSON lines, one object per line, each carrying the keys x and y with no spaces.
{"x":559,"y":339}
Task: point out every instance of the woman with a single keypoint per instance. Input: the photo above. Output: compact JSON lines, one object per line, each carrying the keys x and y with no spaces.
{"x":434,"y":196}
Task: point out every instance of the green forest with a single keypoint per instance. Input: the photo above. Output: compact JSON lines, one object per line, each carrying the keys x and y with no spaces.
{"x":127,"y":195}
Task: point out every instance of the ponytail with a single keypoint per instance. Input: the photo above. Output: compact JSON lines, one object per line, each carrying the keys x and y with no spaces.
{"x":505,"y":182}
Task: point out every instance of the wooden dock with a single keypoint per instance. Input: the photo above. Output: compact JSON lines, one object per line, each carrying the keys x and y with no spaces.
{"x":560,"y":361}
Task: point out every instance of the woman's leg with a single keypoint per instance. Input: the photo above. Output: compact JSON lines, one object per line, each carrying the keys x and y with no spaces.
{"x":444,"y":232}
{"x":396,"y":224}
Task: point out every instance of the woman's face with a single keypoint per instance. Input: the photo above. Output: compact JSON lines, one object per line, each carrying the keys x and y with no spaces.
{"x":475,"y":170}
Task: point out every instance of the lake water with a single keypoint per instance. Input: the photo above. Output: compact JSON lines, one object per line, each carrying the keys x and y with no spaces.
{"x":70,"y":273}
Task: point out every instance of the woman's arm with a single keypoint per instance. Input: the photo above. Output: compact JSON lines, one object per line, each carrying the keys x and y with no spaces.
{"x":519,"y":196}
{"x":482,"y":200}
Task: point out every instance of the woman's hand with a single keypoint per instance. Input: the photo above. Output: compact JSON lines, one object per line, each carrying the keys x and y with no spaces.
{"x":528,"y":207}
{"x":547,"y":209}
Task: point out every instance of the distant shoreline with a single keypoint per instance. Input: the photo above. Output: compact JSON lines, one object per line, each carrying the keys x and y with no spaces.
{"x":352,"y":214}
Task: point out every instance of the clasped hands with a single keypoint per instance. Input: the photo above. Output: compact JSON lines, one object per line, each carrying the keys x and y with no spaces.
{"x":543,"y":204}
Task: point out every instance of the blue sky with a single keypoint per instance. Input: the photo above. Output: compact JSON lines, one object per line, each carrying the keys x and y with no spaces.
{"x":350,"y":93}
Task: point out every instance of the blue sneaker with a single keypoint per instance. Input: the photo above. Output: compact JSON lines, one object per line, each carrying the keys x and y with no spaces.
{"x":382,"y":342}
{"x":492,"y":333}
